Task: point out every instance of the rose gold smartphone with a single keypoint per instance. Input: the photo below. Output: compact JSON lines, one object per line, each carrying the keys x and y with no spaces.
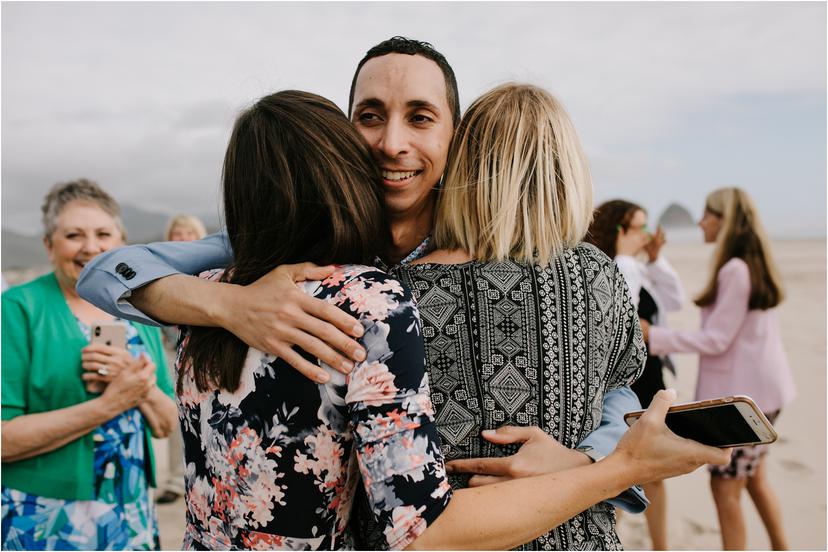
{"x":724,"y":422}
{"x":109,"y":333}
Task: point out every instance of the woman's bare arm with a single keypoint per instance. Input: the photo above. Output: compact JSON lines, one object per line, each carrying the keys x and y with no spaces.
{"x":30,"y":435}
{"x":505,"y":515}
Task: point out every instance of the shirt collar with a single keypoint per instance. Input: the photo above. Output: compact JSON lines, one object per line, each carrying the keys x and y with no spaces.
{"x":420,"y":251}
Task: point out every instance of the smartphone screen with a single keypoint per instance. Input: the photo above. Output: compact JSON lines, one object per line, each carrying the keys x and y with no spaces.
{"x":717,"y":426}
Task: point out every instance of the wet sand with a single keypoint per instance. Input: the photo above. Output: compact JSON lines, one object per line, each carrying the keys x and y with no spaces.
{"x":796,"y":463}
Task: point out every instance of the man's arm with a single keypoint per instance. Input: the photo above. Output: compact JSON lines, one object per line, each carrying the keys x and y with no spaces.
{"x":604,"y":439}
{"x":112,"y":280}
{"x":145,"y":283}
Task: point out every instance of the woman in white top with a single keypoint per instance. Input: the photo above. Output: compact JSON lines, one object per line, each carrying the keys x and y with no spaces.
{"x":619,"y":229}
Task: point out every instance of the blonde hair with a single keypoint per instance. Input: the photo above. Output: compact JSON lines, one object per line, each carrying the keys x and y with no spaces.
{"x":517,"y":183}
{"x":187,"y":221}
{"x":742,"y":236}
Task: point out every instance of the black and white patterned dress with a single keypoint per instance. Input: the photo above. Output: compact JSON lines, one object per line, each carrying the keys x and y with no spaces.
{"x":512,"y":343}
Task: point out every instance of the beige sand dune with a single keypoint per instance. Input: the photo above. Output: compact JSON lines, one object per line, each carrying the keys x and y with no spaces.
{"x":796,"y":462}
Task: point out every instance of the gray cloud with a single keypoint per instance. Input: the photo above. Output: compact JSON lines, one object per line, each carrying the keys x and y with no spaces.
{"x":142,"y":96}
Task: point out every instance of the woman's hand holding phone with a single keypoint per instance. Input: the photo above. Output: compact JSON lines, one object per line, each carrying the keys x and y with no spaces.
{"x":131,"y":386}
{"x":654,"y":452}
{"x":101,"y":364}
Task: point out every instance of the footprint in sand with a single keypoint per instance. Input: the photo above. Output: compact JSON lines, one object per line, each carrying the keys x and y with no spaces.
{"x":795,"y":466}
{"x":697,"y":528}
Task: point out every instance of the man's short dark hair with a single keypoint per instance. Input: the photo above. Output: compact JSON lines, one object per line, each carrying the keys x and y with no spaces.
{"x":402,"y":45}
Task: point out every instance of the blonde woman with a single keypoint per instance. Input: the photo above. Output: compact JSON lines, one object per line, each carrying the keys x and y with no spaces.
{"x":184,"y":228}
{"x":740,"y":350}
{"x":523,"y":324}
{"x":179,"y":228}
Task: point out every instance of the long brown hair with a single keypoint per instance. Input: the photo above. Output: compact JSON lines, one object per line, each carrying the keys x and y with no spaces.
{"x":299,"y":185}
{"x":609,"y":218}
{"x":742,"y":236}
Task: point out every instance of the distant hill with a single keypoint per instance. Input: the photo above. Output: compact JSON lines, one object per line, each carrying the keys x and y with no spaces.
{"x":678,"y":224}
{"x":676,"y":216}
{"x":20,"y":251}
{"x":143,"y":226}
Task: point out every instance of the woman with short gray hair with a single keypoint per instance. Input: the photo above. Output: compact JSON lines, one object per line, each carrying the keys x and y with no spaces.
{"x":77,"y":417}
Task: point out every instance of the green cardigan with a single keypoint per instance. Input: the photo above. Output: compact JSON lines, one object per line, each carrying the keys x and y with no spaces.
{"x":41,"y":371}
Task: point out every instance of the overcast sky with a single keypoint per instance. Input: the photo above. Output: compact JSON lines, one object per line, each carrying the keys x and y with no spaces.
{"x":671,"y":100}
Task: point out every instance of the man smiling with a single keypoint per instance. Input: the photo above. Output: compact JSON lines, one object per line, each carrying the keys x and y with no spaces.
{"x":404,"y":102}
{"x":400,"y":105}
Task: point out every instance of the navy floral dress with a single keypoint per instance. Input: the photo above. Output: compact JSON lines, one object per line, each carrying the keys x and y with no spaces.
{"x":275,"y":464}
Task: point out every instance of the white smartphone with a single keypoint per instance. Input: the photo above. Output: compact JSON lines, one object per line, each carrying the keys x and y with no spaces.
{"x":725,"y":422}
{"x":109,"y":333}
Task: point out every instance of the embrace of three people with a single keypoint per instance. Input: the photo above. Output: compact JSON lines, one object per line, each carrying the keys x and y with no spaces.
{"x":401,"y":340}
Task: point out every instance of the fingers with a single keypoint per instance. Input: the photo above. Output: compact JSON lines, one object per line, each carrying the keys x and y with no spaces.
{"x":320,"y":350}
{"x":102,"y":349}
{"x":106,"y":370}
{"x":509,"y":434}
{"x":720,"y":457}
{"x":95,"y":347}
{"x":145,"y":366}
{"x":301,"y":364}
{"x":481,"y":480}
{"x":95,"y":356}
{"x":310,"y":271}
{"x":335,"y":316}
{"x":659,"y":406}
{"x":482,"y":466}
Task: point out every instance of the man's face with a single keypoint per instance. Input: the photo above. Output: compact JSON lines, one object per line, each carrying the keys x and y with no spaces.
{"x":401,"y":108}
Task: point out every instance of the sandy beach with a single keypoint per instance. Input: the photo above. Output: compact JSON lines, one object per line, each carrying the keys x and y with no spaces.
{"x":796,"y":463}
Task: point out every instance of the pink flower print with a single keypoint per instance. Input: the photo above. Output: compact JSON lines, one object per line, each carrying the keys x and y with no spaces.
{"x":302,"y":463}
{"x":371,"y":300}
{"x":401,"y":420}
{"x":247,"y":492}
{"x":335,"y":279}
{"x":274,"y":450}
{"x":374,"y":304}
{"x":406,"y":525}
{"x":372,"y":384}
{"x":200,"y":497}
{"x":324,"y":460}
{"x":420,"y":402}
{"x":254,"y":540}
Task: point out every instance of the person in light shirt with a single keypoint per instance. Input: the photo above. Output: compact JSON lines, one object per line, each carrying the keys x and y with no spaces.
{"x":740,"y":352}
{"x":619,"y":229}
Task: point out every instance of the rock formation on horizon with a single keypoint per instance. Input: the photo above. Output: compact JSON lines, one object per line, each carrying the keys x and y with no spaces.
{"x":676,"y":217}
